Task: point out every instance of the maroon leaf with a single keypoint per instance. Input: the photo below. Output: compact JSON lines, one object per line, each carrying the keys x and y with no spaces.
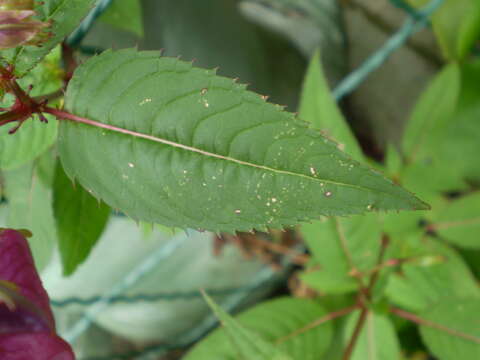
{"x":34,"y":346}
{"x":27,"y":326}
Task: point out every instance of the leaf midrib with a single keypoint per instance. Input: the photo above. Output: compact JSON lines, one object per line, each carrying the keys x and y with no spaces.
{"x":204,"y":152}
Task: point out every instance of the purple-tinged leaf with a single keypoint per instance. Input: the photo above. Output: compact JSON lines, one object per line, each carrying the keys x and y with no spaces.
{"x":27,"y":326}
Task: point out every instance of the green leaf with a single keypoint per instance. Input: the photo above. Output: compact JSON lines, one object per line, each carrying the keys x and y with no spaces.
{"x":80,"y":220}
{"x":460,"y":148}
{"x":459,"y":223}
{"x":194,"y":149}
{"x":30,"y":141}
{"x":34,"y":137}
{"x":30,"y":207}
{"x":457,"y":26}
{"x":458,"y":337}
{"x":318,"y":107}
{"x":336,"y":245}
{"x":328,"y":281}
{"x":439,"y":272}
{"x":393,"y":161}
{"x":271,"y":321}
{"x":126,"y":15}
{"x":431,"y":114}
{"x":247,"y":344}
{"x":377,"y":340}
{"x":64,"y":16}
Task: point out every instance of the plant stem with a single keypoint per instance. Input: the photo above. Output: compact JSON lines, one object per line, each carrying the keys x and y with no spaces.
{"x":375,"y":275}
{"x":12,"y":86}
{"x":356,"y":334}
{"x":296,"y":257}
{"x":348,"y":255}
{"x":368,"y":294}
{"x":331,"y":316}
{"x":418,"y":320}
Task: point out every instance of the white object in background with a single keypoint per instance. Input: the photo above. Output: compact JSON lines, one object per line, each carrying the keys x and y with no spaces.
{"x":190,"y":268}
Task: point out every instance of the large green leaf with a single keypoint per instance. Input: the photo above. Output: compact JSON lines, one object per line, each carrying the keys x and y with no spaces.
{"x":64,"y":16}
{"x":180,"y":146}
{"x":459,"y":223}
{"x":439,"y":272}
{"x":80,"y":220}
{"x":377,"y":339}
{"x":272,"y":321}
{"x":30,"y":207}
{"x":336,"y":245}
{"x":458,"y":336}
{"x":126,"y":15}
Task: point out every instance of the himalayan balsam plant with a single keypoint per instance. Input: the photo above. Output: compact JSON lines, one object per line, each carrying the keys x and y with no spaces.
{"x":163,"y":141}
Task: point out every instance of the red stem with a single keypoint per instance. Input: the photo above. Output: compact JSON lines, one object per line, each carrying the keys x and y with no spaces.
{"x":331,"y":316}
{"x":418,"y":320}
{"x":356,"y":334}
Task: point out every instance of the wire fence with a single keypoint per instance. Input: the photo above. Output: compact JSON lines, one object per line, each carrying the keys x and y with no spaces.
{"x":416,"y":20}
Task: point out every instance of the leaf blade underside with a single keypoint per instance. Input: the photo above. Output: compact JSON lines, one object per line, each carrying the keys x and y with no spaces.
{"x":188,"y":148}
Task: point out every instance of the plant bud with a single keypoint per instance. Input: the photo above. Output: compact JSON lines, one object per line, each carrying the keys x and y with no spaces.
{"x":16,"y":26}
{"x":16,"y":5}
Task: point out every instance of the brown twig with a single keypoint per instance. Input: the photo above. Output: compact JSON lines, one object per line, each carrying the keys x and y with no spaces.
{"x":420,"y":321}
{"x":346,"y":251}
{"x":331,"y":316}
{"x":356,"y":334}
{"x":362,"y":303}
{"x":295,"y":256}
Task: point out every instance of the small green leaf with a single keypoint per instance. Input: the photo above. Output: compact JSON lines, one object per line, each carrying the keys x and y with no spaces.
{"x":431,"y":114}
{"x":126,"y":15}
{"x":377,"y":339}
{"x":30,"y":207}
{"x":178,"y":145}
{"x":337,"y":244}
{"x":80,"y":220}
{"x":318,"y":107}
{"x":459,"y":223}
{"x":457,"y":26}
{"x":393,"y":161}
{"x":64,"y":15}
{"x":273,"y":321}
{"x":458,"y":335}
{"x":329,"y":282}
{"x":247,"y":344}
{"x":437,"y":273}
{"x":29,"y":142}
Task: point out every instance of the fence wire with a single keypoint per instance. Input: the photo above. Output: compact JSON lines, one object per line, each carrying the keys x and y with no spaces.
{"x":415,"y":21}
